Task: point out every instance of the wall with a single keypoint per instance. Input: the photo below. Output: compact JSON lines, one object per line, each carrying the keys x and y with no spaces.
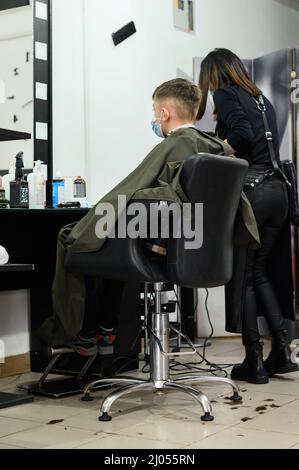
{"x":16,"y":23}
{"x":93,"y":133}
{"x":14,"y":322}
{"x":68,"y":88}
{"x":102,"y":116}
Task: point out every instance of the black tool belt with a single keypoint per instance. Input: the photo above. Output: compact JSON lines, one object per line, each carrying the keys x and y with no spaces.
{"x":257,"y":174}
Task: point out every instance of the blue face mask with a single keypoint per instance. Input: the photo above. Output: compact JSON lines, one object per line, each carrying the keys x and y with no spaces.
{"x":212,"y":93}
{"x":157,"y":128}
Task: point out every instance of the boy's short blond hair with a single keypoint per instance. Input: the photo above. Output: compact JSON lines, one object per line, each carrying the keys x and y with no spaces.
{"x":185,"y":94}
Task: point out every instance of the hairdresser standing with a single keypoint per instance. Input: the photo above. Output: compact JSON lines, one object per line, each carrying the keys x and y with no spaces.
{"x":262,"y":280}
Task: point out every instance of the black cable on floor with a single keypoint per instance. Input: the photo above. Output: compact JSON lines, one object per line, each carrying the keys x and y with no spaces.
{"x":213,"y":367}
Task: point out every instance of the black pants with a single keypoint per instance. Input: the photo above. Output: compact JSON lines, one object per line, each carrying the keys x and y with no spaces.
{"x":269,"y":201}
{"x":102,"y":304}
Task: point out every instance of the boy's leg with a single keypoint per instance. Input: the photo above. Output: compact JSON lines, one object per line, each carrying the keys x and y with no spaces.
{"x":109,"y":308}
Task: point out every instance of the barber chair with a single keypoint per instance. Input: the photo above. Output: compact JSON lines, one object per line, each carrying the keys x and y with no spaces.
{"x":216,"y":182}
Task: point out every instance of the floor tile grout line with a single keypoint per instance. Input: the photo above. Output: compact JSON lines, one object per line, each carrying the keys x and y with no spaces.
{"x":131,"y":437}
{"x":19,"y":432}
{"x":223,"y":428}
{"x":296,"y":397}
{"x":265,"y":431}
{"x":3,"y":442}
{"x":32,"y":419}
{"x":167,"y":416}
{"x":254,"y":416}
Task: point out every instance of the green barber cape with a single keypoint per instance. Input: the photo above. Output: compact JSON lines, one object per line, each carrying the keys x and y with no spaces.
{"x":157,"y":178}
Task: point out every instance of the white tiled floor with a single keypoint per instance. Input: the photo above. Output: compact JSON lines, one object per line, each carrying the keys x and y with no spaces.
{"x":268,"y":417}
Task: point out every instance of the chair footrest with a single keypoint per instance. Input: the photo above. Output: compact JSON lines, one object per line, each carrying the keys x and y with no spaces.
{"x":13,"y":399}
{"x":64,"y":387}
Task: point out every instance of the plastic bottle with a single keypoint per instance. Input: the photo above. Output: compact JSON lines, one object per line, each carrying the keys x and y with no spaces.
{"x":31,"y":185}
{"x":4,"y":203}
{"x":44,"y":170}
{"x":39,"y":187}
{"x":79,"y":187}
{"x":7,"y":179}
{"x":58,"y":186}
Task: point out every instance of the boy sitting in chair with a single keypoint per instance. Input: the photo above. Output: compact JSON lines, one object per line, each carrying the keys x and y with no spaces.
{"x":84,"y":316}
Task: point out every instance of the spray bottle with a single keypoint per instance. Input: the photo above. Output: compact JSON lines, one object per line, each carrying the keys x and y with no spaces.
{"x":19,"y":191}
{"x":7,"y":179}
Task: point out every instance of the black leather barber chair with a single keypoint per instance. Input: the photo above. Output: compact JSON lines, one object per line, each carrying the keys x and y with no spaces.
{"x":217,"y":183}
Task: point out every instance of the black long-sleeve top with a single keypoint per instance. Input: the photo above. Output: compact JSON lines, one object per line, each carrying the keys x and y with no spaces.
{"x":240,"y":122}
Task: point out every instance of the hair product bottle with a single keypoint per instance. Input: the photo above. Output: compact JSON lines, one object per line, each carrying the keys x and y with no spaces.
{"x":8,"y":178}
{"x":19,"y":191}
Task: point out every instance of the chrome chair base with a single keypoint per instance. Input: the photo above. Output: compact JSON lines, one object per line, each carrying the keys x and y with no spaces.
{"x":132,"y":385}
{"x":160,"y":378}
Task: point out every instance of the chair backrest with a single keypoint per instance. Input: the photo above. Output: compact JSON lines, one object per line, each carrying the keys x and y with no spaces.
{"x":217,"y":183}
{"x":214,"y":181}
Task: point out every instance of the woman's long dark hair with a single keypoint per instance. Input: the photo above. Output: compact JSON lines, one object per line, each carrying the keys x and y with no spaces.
{"x":222,"y":68}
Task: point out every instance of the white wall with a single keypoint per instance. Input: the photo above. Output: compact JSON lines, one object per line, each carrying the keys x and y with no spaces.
{"x":102,"y":111}
{"x":68,"y":88}
{"x":16,"y":22}
{"x":105,"y":133}
{"x":14,"y":322}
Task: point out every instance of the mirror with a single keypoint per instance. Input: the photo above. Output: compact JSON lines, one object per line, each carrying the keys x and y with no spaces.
{"x":25,"y":82}
{"x":16,"y":82}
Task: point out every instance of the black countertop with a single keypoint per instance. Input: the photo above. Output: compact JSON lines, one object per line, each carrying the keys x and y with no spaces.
{"x":10,"y":267}
{"x":74,"y":210}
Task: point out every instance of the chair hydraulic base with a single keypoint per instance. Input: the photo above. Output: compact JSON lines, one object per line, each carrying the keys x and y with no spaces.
{"x":58,"y":388}
{"x":159,"y":375}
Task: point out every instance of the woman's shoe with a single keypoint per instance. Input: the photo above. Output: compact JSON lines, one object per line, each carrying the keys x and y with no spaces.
{"x":279,"y":360}
{"x":252,"y":369}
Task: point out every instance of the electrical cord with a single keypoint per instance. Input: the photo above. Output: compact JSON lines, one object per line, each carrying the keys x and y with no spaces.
{"x":193,"y":367}
{"x":213,"y":367}
{"x":130,"y":359}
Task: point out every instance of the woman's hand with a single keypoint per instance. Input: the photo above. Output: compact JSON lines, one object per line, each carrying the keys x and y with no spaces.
{"x":226,"y":142}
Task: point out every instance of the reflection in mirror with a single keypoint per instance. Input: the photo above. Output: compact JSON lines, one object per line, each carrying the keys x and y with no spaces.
{"x":16,"y":82}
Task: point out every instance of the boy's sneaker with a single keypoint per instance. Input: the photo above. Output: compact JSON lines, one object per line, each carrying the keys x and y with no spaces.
{"x":106,"y":339}
{"x":85,"y":346}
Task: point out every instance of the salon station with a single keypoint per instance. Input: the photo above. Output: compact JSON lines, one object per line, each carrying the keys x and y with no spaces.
{"x":149,"y":276}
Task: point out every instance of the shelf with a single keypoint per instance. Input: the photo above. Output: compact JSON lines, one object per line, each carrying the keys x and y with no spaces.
{"x":16,"y":268}
{"x":7,"y":135}
{"x":74,"y":210}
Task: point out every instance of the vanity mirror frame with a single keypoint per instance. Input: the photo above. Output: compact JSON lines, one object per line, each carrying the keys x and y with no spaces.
{"x":42,"y":73}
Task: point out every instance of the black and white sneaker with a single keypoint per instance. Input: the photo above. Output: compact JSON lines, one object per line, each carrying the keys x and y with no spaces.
{"x":85,"y":346}
{"x":106,"y":338}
